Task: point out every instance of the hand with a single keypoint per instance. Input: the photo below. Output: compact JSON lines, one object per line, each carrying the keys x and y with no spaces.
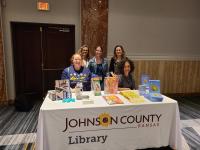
{"x":114,"y":75}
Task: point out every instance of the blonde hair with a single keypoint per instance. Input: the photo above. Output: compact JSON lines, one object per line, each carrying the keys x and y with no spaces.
{"x":81,"y":50}
{"x":72,"y":58}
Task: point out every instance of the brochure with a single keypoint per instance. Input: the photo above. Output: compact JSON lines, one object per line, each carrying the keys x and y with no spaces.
{"x":154,"y":91}
{"x":112,"y":99}
{"x":132,"y":96}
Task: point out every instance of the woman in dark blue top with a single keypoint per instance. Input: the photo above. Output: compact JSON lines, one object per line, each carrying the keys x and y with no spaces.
{"x":98,"y":65}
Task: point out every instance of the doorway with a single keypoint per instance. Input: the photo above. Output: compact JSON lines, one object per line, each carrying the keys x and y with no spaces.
{"x":41,"y":52}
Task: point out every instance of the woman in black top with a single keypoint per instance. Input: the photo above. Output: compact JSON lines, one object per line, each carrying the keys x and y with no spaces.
{"x":126,"y":80}
{"x":119,"y":56}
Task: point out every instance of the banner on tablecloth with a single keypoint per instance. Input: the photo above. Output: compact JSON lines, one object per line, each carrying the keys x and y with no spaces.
{"x":125,"y":127}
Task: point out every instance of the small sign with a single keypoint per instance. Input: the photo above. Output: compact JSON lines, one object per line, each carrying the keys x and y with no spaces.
{"x":43,"y":6}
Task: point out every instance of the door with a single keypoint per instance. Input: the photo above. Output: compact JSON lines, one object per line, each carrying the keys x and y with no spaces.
{"x":41,"y":52}
{"x":58,"y":47}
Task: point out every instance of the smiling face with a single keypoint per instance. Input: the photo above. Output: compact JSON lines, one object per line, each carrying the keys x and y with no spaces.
{"x":118,"y":52}
{"x":127,"y":68}
{"x":98,"y":52}
{"x":85,"y":52}
{"x":77,"y":61}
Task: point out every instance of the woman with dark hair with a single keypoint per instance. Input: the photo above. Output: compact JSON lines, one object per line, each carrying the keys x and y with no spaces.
{"x":98,"y":65}
{"x":85,"y":54}
{"x":119,"y":56}
{"x":126,"y":80}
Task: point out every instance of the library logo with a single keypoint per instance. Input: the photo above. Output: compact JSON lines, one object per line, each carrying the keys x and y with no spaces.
{"x":106,"y":120}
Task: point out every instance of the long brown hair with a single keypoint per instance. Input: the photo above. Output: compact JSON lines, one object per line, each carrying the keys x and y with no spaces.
{"x":101,"y":50}
{"x":123,"y":52}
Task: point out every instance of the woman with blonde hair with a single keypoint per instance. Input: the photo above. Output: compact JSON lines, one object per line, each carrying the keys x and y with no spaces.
{"x":77,"y":73}
{"x":84,"y":52}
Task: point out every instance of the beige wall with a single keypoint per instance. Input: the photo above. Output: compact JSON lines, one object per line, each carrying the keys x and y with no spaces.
{"x":148,"y":29}
{"x":155,"y":27}
{"x":62,"y":12}
{"x":175,"y":76}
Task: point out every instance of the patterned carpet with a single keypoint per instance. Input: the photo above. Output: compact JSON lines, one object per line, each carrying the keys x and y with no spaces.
{"x":18,"y":129}
{"x":190,"y":119}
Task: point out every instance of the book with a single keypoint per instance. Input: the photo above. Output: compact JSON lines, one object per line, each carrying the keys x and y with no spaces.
{"x":132,"y":96}
{"x":52,"y":95}
{"x":154,"y":91}
{"x":154,"y":86}
{"x":111,"y":85}
{"x":62,"y":89}
{"x":145,"y":79}
{"x":113,"y":99}
{"x":142,"y":90}
{"x":96,"y":87}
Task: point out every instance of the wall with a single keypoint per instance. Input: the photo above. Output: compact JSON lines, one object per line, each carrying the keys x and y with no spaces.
{"x":180,"y":76}
{"x":162,"y":37}
{"x":146,"y":28}
{"x":149,"y":30}
{"x":62,"y":12}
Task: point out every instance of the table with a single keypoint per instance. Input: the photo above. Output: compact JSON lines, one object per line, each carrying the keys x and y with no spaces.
{"x":99,"y":126}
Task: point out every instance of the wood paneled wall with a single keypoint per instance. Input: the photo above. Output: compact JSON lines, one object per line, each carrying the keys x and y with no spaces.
{"x":94,"y":24}
{"x":3,"y":97}
{"x":175,"y":76}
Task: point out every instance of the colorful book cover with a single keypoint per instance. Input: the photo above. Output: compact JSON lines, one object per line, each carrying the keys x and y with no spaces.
{"x":132,"y":96}
{"x":113,"y":99}
{"x":145,"y":79}
{"x":154,"y":91}
{"x":154,"y":86}
{"x":96,"y":87}
{"x":111,"y":85}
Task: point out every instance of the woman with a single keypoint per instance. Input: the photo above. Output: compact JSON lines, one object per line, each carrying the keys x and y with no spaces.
{"x":98,"y":65}
{"x":119,"y":56}
{"x":126,"y":80}
{"x":84,"y":52}
{"x":77,"y":73}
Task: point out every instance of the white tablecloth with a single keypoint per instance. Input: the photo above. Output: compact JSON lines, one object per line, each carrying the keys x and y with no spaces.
{"x":99,"y":126}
